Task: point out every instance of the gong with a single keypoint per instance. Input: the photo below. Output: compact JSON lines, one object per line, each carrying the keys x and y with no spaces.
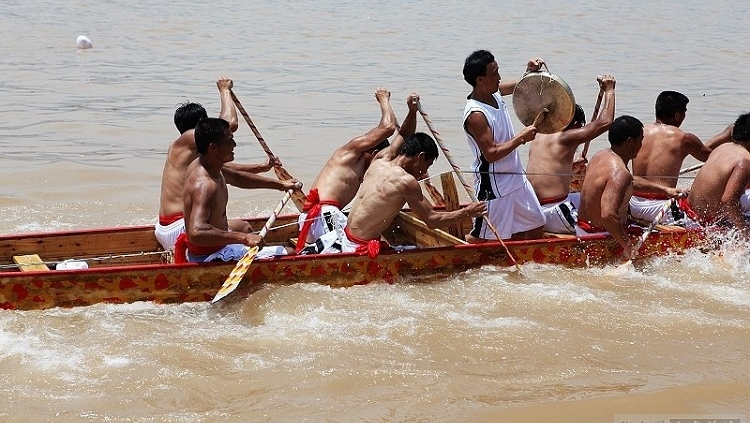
{"x":539,"y":90}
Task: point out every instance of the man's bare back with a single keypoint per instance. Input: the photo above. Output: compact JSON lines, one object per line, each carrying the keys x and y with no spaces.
{"x":392,"y":181}
{"x":605,"y":192}
{"x":379,"y":199}
{"x":716,"y":191}
{"x":664,"y":149}
{"x":665,"y":145}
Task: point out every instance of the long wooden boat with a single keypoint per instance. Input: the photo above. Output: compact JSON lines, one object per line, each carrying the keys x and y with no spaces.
{"x":126,"y":264}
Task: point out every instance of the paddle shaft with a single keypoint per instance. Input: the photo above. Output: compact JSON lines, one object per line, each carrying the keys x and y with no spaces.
{"x":691,"y":168}
{"x":459,"y":174}
{"x":651,"y":226}
{"x":593,"y":118}
{"x":267,"y":227}
{"x":236,"y":275}
{"x":281,"y":173}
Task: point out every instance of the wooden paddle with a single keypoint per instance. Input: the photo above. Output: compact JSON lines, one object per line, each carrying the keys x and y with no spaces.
{"x":298,"y":197}
{"x":235,"y":277}
{"x":646,"y":234}
{"x":593,"y":118}
{"x":459,"y":174}
{"x":691,"y":168}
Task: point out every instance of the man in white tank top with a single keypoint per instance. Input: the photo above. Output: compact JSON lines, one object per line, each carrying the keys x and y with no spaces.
{"x":501,"y":181}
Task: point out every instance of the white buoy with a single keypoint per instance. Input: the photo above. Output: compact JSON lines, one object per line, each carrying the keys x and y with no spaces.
{"x":83,"y":42}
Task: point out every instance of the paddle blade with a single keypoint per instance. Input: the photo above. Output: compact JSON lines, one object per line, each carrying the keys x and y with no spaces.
{"x":235,"y":277}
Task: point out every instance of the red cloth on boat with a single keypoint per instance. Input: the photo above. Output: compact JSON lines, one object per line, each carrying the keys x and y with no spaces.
{"x":170,"y":218}
{"x":369,"y":247}
{"x":182,"y":246}
{"x":544,"y":201}
{"x":312,"y":207}
{"x":586,"y":226}
{"x":651,"y":195}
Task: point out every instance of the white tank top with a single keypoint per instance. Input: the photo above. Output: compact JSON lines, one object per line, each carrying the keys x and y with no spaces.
{"x":503,"y":176}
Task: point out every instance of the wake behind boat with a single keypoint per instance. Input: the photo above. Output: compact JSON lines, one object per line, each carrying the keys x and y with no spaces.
{"x":127,"y":264}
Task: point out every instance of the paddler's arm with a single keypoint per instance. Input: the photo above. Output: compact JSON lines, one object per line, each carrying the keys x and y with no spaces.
{"x":248,"y":180}
{"x":611,"y":203}
{"x":199,"y":200}
{"x":254,"y":167}
{"x":228,"y":110}
{"x":722,"y":137}
{"x":378,"y":134}
{"x":408,"y":128}
{"x":641,"y":184}
{"x":601,"y":123}
{"x":437,"y":219}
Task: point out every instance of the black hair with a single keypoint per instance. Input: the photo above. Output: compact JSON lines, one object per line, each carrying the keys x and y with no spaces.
{"x":187,"y":116}
{"x":668,"y":103}
{"x":476,"y":66}
{"x":208,"y":131}
{"x":579,"y":117}
{"x":419,"y":142}
{"x":741,"y":130}
{"x":382,"y":145}
{"x":624,"y":127}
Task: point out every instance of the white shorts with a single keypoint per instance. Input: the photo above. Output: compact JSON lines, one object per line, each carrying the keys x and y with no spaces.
{"x":348,"y":246}
{"x":234,"y":252}
{"x":329,"y":243}
{"x":646,"y":210}
{"x":518,"y":211}
{"x":167,"y":235}
{"x":330,"y":219}
{"x":562,"y":215}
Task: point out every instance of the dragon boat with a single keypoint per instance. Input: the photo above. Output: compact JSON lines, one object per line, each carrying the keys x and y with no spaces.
{"x":127,"y":264}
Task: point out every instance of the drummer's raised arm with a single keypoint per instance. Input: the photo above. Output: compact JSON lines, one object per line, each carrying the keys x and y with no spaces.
{"x":506,"y":87}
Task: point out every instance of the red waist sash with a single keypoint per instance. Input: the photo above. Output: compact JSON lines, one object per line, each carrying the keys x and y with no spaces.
{"x":370,"y":247}
{"x":586,"y":226}
{"x":651,"y":195}
{"x":170,"y":219}
{"x":685,"y":206}
{"x":182,"y":246}
{"x":313,"y":206}
{"x":545,"y":201}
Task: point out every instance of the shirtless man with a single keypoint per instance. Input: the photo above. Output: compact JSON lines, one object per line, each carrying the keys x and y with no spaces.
{"x":551,"y":162}
{"x":338,"y":181}
{"x":209,"y":235}
{"x":182,"y":152}
{"x":723,"y":137}
{"x":501,"y":181}
{"x":608,"y":184}
{"x":657,"y":165}
{"x":719,"y":185}
{"x":389,"y":183}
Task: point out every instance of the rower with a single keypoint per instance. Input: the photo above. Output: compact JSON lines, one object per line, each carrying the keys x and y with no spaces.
{"x":657,"y":166}
{"x":551,"y":161}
